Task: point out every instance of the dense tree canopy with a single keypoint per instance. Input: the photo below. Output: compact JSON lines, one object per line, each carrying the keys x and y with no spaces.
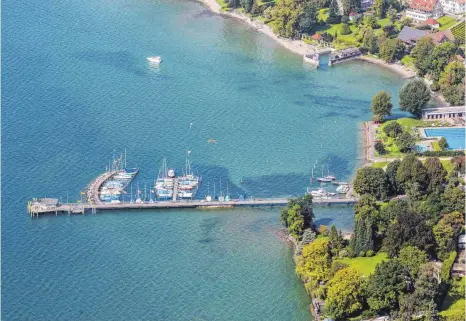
{"x":371,"y":181}
{"x":391,"y":172}
{"x":409,"y":229}
{"x":390,"y":212}
{"x":298,"y":215}
{"x":414,"y":96}
{"x":362,"y":239}
{"x":393,"y":129}
{"x":422,"y":54}
{"x":392,"y":49}
{"x":452,"y":83}
{"x":405,"y":142}
{"x":441,"y":56}
{"x":385,"y":285}
{"x":313,"y":265}
{"x":412,"y":258}
{"x":436,"y":174}
{"x":345,"y":294}
{"x":411,"y":173}
{"x":446,"y":233}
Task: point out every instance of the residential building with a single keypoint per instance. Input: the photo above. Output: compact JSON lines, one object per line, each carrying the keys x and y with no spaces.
{"x":454,"y":6}
{"x":421,"y":10}
{"x":411,"y":35}
{"x":353,"y":16}
{"x":442,"y":36}
{"x":431,"y":22}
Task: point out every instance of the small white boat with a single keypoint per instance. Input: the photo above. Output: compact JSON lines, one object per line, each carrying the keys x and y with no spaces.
{"x":319,"y":193}
{"x":155,"y":59}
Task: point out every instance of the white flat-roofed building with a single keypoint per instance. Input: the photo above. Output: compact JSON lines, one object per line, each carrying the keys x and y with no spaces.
{"x":444,"y":112}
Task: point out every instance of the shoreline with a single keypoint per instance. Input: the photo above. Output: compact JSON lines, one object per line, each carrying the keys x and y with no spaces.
{"x":298,"y":46}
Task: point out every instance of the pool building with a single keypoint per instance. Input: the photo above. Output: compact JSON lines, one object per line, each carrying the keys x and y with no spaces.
{"x":444,"y":112}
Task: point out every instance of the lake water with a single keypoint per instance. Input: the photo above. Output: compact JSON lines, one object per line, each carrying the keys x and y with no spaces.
{"x":76,"y":86}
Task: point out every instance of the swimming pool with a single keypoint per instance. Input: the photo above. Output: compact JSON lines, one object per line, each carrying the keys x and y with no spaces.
{"x":454,"y":136}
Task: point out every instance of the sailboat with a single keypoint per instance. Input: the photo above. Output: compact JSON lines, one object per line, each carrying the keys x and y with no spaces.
{"x":221,"y":198}
{"x":208,"y":197}
{"x":165,"y":181}
{"x":324,"y":179}
{"x":189,"y":183}
{"x":227,"y":197}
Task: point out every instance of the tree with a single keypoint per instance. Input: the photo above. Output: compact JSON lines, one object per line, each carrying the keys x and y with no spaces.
{"x":344,"y":19}
{"x":441,"y":56}
{"x":453,"y":199}
{"x":412,"y":258}
{"x":379,"y":148}
{"x":380,"y":8}
{"x":392,"y":15}
{"x":298,"y":215}
{"x":452,"y":83}
{"x":362,"y":239}
{"x":436,"y":174}
{"x":446,"y":233}
{"x":313,"y":265}
{"x":392,"y":129}
{"x":458,"y":163}
{"x":411,"y":171}
{"x":392,"y":50}
{"x":246,"y":5}
{"x":414,"y":96}
{"x":409,"y":229}
{"x":391,"y":171}
{"x":389,"y":214}
{"x":385,"y":285}
{"x":405,"y":142}
{"x":345,"y":294}
{"x":369,"y":41}
{"x":422,"y":54}
{"x":442,"y":143}
{"x":371,"y":181}
{"x":333,"y":13}
{"x":308,"y":17}
{"x":389,"y":29}
{"x":335,"y":240}
{"x":407,"y":306}
{"x":381,"y":105}
{"x":426,"y":287}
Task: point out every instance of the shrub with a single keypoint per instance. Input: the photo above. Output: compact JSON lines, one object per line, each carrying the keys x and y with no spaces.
{"x":370,"y":253}
{"x":343,"y":253}
{"x":362,"y":253}
{"x":393,"y":129}
{"x":443,"y":144}
{"x":446,"y":153}
{"x":379,"y":148}
{"x":446,"y":267}
{"x":345,"y":29}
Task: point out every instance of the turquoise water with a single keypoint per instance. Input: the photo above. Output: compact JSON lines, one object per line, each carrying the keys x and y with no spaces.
{"x":76,"y":86}
{"x":454,"y":136}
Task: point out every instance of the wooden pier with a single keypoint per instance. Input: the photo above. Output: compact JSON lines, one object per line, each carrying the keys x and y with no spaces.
{"x":38,"y":207}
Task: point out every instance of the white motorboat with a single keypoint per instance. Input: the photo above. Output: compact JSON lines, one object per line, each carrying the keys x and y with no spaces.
{"x":155,"y":59}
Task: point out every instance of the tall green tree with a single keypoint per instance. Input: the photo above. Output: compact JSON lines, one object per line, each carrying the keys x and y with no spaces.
{"x":392,"y":50}
{"x":246,"y":5}
{"x":442,"y":143}
{"x":422,"y":54}
{"x":426,"y":287}
{"x":313,"y":265}
{"x":335,"y":240}
{"x":380,"y":8}
{"x":391,"y":172}
{"x":410,"y":172}
{"x":441,"y":56}
{"x":409,"y":229}
{"x":345,"y":294}
{"x":308,"y":18}
{"x":446,"y":233}
{"x":392,"y":129}
{"x":385,"y":285}
{"x":452,"y":83}
{"x":298,"y":215}
{"x":371,"y":181}
{"x":405,"y":142}
{"x":369,"y":41}
{"x":381,"y":105}
{"x":362,"y":239}
{"x":389,"y":214}
{"x":436,"y":174}
{"x":453,"y":199}
{"x":414,"y":97}
{"x":412,"y":258}
{"x":333,"y":12}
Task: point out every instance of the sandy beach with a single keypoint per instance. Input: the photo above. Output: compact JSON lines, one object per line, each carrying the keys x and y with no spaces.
{"x":298,"y":46}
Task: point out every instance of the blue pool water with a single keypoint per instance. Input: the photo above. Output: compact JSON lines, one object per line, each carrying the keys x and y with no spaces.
{"x":454,"y":136}
{"x":76,"y":86}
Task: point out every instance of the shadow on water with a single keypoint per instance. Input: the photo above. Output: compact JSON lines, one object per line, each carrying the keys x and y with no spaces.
{"x":122,"y":60}
{"x":323,"y":221}
{"x":281,"y":184}
{"x":336,"y":114}
{"x":337,"y":165}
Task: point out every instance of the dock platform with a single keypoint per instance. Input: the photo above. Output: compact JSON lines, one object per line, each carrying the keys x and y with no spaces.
{"x":37,"y":208}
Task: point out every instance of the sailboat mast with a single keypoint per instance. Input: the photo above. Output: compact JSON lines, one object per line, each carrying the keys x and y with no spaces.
{"x":125,"y":157}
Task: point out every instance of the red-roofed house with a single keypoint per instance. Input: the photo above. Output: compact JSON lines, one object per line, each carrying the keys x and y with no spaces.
{"x":421,"y":10}
{"x":442,"y":36}
{"x":432,"y":23}
{"x":454,"y":6}
{"x":353,"y":15}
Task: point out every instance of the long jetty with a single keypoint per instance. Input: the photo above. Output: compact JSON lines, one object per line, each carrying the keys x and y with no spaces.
{"x":42,"y":207}
{"x":93,"y":204}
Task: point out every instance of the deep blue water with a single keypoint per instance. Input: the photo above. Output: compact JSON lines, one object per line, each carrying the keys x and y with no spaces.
{"x":454,"y":136}
{"x":76,"y":86}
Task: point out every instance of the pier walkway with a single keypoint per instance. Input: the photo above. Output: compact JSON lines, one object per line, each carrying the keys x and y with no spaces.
{"x":38,"y":207}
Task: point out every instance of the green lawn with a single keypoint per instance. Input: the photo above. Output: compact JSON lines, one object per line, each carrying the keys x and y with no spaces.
{"x":379,"y":164}
{"x":446,"y":22}
{"x":365,"y":265}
